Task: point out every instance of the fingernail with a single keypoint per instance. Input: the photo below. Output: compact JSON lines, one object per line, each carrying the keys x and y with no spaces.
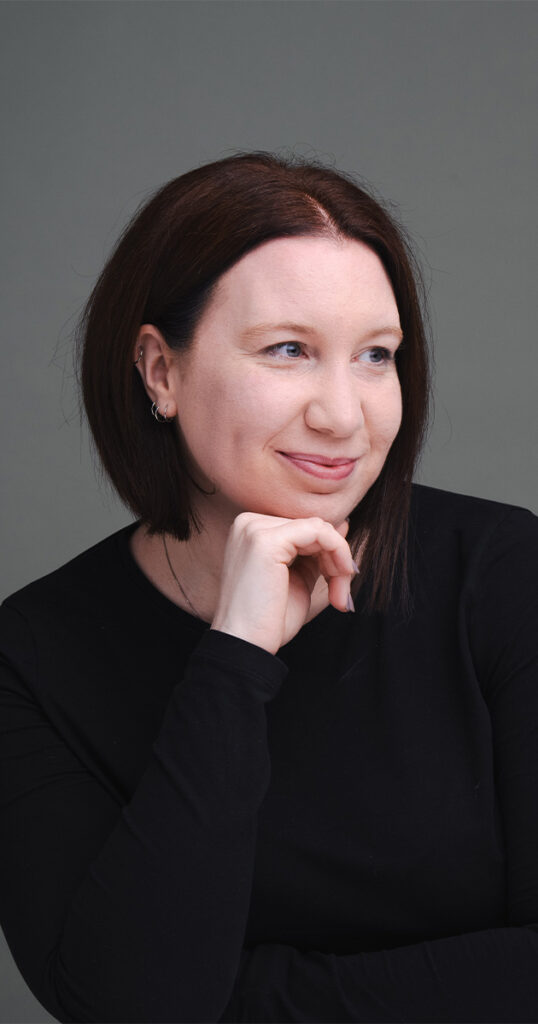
{"x":355,"y":566}
{"x":349,"y":603}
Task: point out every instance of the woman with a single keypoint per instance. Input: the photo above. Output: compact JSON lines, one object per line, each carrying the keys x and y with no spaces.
{"x":269,"y":754}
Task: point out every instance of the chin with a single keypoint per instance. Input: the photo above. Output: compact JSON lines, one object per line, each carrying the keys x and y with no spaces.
{"x":323,"y":505}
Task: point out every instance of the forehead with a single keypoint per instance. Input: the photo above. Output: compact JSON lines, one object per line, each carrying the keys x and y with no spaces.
{"x":342,"y":277}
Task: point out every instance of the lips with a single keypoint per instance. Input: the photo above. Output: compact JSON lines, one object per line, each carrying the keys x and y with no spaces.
{"x":323,"y":466}
{"x":320,"y":460}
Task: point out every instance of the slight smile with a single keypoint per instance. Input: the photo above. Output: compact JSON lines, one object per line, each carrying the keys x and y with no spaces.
{"x":321,"y":466}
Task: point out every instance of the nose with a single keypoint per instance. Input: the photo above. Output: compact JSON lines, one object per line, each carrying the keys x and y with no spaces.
{"x":334,"y":404}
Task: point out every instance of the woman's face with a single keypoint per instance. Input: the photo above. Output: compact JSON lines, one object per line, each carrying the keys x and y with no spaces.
{"x":288,"y":398}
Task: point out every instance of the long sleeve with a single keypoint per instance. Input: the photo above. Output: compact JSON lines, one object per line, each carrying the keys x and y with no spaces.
{"x":195,"y":841}
{"x":135,"y":913}
{"x":482,"y":975}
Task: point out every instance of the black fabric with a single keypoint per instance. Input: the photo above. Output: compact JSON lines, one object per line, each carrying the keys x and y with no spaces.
{"x":192,"y":829}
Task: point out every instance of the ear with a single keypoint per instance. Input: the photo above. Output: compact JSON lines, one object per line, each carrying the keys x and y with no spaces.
{"x":155,"y":362}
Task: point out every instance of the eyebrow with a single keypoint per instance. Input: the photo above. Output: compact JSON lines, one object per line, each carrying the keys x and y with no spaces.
{"x":259,"y":329}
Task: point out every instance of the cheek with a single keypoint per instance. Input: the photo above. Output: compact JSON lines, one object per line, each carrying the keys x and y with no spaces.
{"x":233,"y":415}
{"x":252,"y":410}
{"x":386,"y":415}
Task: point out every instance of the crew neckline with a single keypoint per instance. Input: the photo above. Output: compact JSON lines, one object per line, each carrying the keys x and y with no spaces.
{"x":143,"y":583}
{"x":174,"y":611}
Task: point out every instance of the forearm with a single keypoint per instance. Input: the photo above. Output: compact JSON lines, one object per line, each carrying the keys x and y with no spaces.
{"x":482,"y":976}
{"x":155,"y":929}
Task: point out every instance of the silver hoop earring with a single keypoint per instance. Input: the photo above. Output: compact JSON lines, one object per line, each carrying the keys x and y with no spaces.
{"x":161,"y":417}
{"x":140,"y":354}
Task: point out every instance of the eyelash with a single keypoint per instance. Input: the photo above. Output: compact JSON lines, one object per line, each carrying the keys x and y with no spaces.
{"x":274,"y":350}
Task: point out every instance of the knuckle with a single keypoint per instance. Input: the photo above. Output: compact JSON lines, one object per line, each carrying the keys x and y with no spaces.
{"x":251,"y":528}
{"x":243,"y":517}
{"x":242,"y":521}
{"x":319,"y":522}
{"x":258,"y":538}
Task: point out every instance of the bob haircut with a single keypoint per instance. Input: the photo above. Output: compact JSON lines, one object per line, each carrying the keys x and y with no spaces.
{"x":164,"y":270}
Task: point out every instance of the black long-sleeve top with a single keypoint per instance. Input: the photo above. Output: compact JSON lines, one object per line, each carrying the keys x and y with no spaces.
{"x":194,"y":830}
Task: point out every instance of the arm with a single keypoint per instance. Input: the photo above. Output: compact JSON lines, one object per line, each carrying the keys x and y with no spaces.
{"x":484,"y":976}
{"x":138,"y":912}
{"x":489,"y":975}
{"x":135,"y":913}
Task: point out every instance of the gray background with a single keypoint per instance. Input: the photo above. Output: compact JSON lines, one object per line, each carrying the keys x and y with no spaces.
{"x":434,"y":103}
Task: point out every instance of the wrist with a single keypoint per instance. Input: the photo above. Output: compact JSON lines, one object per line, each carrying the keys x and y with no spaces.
{"x":257,"y":638}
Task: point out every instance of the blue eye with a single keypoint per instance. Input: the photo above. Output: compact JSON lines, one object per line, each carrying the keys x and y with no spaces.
{"x":292,"y":349}
{"x":379,"y":356}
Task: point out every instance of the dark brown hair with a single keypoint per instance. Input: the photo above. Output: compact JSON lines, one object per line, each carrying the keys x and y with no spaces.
{"x":164,"y":270}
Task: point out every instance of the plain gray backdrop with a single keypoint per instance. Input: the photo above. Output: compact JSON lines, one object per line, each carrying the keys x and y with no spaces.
{"x":433,"y":103}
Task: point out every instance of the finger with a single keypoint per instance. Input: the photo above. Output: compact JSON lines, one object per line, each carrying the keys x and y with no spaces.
{"x":338,"y":562}
{"x":339,"y":594}
{"x":286,"y":540}
{"x":343,"y":528}
{"x":308,"y":569}
{"x":329,"y":563}
{"x":315,"y":536}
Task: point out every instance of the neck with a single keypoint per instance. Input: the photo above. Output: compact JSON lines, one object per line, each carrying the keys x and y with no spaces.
{"x":197,"y":564}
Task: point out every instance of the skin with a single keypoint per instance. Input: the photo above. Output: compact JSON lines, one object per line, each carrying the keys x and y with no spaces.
{"x":265,"y":414}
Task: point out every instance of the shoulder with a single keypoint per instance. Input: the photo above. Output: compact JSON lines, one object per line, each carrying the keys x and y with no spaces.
{"x":54,"y":628}
{"x":91,"y":579}
{"x":473,"y":542}
{"x":438,"y":512}
{"x":450,"y":507}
